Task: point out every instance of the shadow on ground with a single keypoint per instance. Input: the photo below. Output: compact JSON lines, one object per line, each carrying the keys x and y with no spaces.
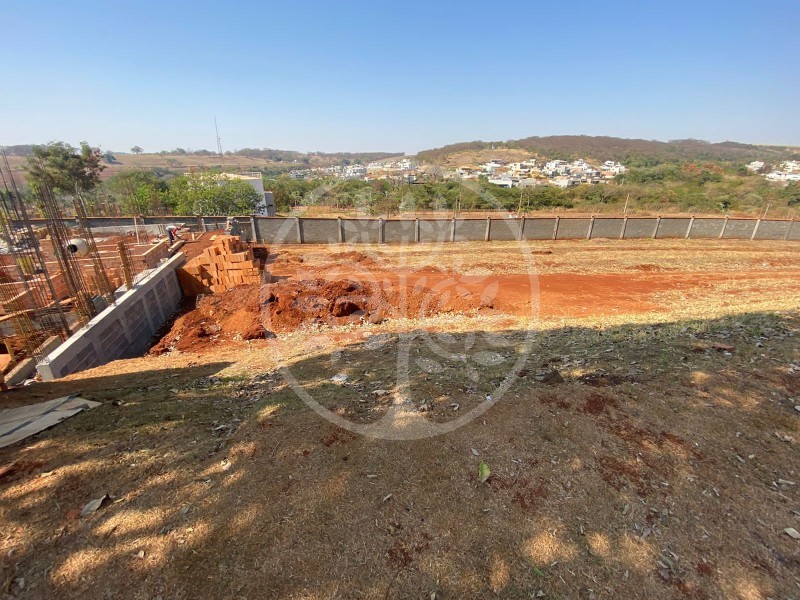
{"x":652,"y":470}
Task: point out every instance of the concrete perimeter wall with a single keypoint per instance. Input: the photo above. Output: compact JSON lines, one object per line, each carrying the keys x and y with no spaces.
{"x":124,"y":329}
{"x":301,"y":230}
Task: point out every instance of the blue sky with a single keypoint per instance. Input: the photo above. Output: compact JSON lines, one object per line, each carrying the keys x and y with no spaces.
{"x":395,"y":76}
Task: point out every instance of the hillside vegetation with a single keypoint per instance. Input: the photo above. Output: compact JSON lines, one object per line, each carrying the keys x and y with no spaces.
{"x":632,"y":152}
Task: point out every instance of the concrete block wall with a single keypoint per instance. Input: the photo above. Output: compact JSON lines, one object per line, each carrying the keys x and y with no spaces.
{"x":122,"y":330}
{"x":296,"y":230}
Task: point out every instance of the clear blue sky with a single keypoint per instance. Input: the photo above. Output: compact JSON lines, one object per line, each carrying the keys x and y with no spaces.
{"x":395,"y":76}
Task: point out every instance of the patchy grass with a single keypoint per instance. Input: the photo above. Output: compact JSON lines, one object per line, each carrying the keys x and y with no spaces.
{"x":664,"y":463}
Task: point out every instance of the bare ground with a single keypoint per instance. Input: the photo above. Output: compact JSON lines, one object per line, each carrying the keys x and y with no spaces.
{"x":663,"y":466}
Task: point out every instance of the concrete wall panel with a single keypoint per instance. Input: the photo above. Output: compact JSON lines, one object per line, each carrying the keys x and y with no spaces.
{"x":772,"y":230}
{"x":794,"y":231}
{"x":320,"y":231}
{"x":539,"y":228}
{"x":739,"y":229}
{"x":434,"y":230}
{"x":607,"y":228}
{"x":706,"y":228}
{"x":470,"y":230}
{"x":395,"y":232}
{"x":276,"y":230}
{"x":640,"y":228}
{"x":569,"y":228}
{"x":505,"y":229}
{"x":363,"y":231}
{"x":673,"y":227}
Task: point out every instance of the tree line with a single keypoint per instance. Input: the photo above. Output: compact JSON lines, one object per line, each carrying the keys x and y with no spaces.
{"x":67,"y":170}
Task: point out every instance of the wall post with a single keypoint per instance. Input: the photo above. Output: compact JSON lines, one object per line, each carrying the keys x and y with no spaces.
{"x":555,"y":228}
{"x":488,"y":234}
{"x":755,"y":229}
{"x":416,"y":229}
{"x":624,"y":227}
{"x":591,"y":227}
{"x":658,"y":224}
{"x":689,"y":229}
{"x":299,"y":228}
{"x":724,"y":227}
{"x":380,"y":231}
{"x":453,"y":229}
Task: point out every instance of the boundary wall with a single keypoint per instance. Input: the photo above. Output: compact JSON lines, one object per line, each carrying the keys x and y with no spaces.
{"x":303,"y":230}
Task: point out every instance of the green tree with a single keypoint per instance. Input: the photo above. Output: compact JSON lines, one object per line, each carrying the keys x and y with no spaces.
{"x":64,"y":168}
{"x":212,"y":194}
{"x":137,"y":150}
{"x":139,"y":193}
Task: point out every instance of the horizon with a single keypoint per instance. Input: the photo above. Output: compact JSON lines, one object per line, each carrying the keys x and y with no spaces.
{"x":364,"y":78}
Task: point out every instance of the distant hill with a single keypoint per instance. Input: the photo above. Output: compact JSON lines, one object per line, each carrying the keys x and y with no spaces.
{"x":633,"y":152}
{"x":267,"y":160}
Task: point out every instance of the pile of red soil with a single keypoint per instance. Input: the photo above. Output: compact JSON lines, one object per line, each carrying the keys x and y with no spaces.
{"x":249,"y":312}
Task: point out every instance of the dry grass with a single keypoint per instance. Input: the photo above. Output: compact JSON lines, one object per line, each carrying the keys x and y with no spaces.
{"x":649,"y":472}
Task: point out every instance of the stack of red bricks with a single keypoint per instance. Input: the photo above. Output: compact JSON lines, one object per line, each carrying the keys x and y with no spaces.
{"x":227,"y":263}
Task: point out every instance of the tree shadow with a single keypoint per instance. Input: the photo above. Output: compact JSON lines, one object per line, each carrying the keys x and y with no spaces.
{"x":646,"y":472}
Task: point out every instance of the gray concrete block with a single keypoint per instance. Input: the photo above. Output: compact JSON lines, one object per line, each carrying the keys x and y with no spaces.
{"x":124,"y":329}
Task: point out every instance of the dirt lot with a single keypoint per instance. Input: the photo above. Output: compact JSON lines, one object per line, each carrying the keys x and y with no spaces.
{"x":634,"y":402}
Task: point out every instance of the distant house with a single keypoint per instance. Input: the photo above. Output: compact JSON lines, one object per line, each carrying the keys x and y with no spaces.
{"x":613,"y":167}
{"x":266,"y":207}
{"x":755,"y":166}
{"x":503,"y":181}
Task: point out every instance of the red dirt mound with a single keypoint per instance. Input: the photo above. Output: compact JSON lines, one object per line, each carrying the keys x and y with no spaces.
{"x":232,"y":315}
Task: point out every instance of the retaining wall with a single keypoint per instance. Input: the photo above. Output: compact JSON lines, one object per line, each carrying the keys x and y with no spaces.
{"x":124,"y":329}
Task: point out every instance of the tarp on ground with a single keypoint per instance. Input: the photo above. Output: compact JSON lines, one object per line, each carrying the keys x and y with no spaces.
{"x":18,"y":423}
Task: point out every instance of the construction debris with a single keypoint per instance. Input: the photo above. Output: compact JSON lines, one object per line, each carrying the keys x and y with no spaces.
{"x":18,"y":423}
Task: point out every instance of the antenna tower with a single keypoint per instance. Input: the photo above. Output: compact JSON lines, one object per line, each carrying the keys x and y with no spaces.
{"x":219,"y":141}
